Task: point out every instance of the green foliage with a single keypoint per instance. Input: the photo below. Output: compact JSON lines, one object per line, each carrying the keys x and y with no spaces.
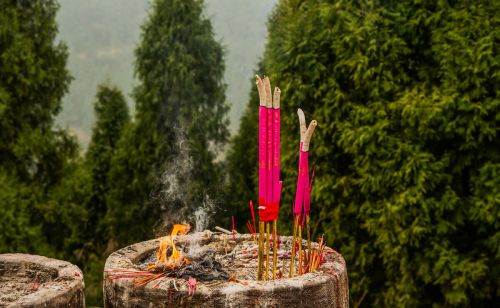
{"x":17,"y":231}
{"x":33,"y":78}
{"x":407,"y":99}
{"x":180,"y":67}
{"x":241,"y":163}
{"x":34,"y":157}
{"x":112,"y":116}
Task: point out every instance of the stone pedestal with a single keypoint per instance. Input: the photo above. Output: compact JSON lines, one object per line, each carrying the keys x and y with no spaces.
{"x":36,"y":281}
{"x":325,"y":288}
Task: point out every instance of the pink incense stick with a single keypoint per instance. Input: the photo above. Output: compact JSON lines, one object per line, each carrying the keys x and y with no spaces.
{"x":276,"y":153}
{"x":299,"y":195}
{"x":262,"y":147}
{"x":269,"y":154}
{"x":302,"y":194}
{"x":307,"y":192}
{"x":305,"y":149}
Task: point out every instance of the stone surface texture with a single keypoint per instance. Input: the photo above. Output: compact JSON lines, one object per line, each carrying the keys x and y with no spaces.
{"x":328,"y":288}
{"x":37,"y":281}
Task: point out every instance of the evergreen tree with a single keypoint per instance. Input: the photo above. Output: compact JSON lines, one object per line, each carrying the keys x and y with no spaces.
{"x":17,"y":232}
{"x":407,"y":99}
{"x":33,"y":79}
{"x":242,"y":159}
{"x":112,"y":116}
{"x":180,"y":68}
{"x":34,"y":156}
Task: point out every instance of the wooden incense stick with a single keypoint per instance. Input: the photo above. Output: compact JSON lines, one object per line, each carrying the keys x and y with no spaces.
{"x":292,"y":261}
{"x":275,"y":249}
{"x":300,"y":248}
{"x":308,"y":227}
{"x":283,"y":268}
{"x":261,"y":250}
{"x":268,"y":248}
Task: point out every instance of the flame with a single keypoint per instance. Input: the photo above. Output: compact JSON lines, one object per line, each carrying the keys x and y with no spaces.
{"x":176,"y":258}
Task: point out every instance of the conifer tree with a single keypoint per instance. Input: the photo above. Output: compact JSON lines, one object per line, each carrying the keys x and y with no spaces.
{"x":34,"y":156}
{"x":111,"y":113}
{"x":33,"y":79}
{"x":180,"y":68}
{"x":406,"y":95}
{"x":241,"y":162}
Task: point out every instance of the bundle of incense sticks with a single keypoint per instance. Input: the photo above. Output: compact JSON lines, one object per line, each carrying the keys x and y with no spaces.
{"x":269,"y":172}
{"x":301,"y":207}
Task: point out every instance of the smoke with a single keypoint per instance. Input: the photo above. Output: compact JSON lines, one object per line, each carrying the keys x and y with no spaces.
{"x":174,"y":191}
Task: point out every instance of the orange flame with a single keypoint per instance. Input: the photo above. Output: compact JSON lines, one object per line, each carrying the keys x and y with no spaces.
{"x":176,"y":258}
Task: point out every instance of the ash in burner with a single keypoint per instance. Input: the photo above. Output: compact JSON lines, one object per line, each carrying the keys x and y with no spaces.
{"x":203,"y":267}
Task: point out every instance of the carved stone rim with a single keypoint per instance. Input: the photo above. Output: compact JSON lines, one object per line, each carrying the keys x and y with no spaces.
{"x":66,"y":279}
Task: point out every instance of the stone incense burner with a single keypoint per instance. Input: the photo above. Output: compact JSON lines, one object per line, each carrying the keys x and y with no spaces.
{"x":227,"y":280}
{"x":36,"y":281}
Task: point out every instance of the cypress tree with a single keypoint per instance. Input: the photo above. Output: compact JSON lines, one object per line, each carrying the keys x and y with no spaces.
{"x":241,"y":162}
{"x":407,"y":99}
{"x":94,"y":245}
{"x":180,"y":69}
{"x":111,"y":113}
{"x":33,"y":79}
{"x":34,"y":156}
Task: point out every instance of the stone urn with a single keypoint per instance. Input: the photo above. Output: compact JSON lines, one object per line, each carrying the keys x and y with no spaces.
{"x":225,"y":269}
{"x":36,"y":281}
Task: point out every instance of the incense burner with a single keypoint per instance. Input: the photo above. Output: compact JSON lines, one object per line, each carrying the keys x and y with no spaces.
{"x":233,"y":281}
{"x":36,"y":281}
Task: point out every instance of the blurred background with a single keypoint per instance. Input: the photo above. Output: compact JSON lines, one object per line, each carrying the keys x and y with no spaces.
{"x":101,"y":37}
{"x":121,"y":117}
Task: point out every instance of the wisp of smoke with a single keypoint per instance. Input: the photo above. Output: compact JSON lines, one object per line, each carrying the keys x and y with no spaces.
{"x":173,"y":193}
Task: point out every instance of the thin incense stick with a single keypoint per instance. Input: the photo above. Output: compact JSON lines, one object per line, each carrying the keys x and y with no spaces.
{"x":308,"y":235}
{"x":261,"y":250}
{"x":253,"y":216}
{"x":268,"y":247}
{"x":300,"y":249}
{"x":292,"y":261}
{"x":283,"y":268}
{"x":275,"y":245}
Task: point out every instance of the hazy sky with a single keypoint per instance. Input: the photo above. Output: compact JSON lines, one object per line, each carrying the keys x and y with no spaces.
{"x":102,"y":34}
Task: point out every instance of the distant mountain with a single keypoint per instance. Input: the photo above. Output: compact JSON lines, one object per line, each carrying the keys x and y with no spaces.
{"x":102,"y":35}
